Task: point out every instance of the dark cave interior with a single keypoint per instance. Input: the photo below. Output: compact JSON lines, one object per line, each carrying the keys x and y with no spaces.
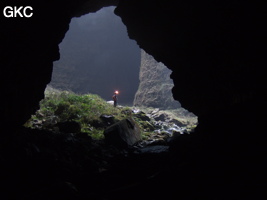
{"x":217,"y":53}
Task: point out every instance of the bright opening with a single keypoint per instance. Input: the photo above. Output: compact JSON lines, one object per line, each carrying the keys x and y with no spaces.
{"x":102,"y":78}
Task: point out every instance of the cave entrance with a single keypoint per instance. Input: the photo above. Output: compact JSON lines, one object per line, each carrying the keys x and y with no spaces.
{"x":98,"y":57}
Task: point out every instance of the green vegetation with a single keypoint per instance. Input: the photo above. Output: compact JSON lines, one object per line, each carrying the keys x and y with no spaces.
{"x":85,"y":110}
{"x":67,"y":112}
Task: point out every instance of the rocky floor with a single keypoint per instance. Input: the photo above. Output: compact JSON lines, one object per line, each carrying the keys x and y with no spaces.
{"x":43,"y":164}
{"x":39,"y":164}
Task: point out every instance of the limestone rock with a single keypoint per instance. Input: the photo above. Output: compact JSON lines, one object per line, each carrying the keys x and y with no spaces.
{"x":141,"y":115}
{"x":123,"y":133}
{"x":155,"y":85}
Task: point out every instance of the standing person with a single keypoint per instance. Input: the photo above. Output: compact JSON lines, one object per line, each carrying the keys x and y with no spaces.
{"x":115,"y":98}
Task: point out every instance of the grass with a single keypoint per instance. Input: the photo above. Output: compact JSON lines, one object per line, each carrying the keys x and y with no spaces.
{"x":61,"y":106}
{"x":85,"y":110}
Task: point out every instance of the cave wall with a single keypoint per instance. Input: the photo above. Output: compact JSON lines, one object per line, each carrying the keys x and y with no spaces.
{"x":155,"y":85}
{"x":216,"y":51}
{"x":214,"y":48}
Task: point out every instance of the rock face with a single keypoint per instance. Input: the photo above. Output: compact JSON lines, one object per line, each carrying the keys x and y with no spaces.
{"x":155,"y":85}
{"x":198,"y":48}
{"x":123,"y":134}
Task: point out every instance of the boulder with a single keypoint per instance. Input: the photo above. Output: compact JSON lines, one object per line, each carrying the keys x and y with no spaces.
{"x":123,"y":134}
{"x":161,"y":117}
{"x":178,"y":123}
{"x":141,"y":115}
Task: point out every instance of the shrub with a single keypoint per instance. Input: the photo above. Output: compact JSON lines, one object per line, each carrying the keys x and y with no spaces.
{"x":85,"y":109}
